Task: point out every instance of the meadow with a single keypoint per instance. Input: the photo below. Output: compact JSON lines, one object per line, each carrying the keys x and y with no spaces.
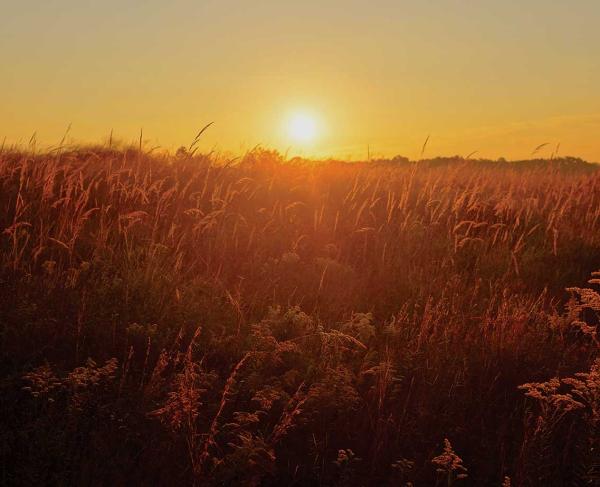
{"x":190,"y":320}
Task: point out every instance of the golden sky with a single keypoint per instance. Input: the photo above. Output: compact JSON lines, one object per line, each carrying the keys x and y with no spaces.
{"x":497,"y":77}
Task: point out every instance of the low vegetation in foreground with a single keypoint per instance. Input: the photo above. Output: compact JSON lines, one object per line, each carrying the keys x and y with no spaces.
{"x":181,"y":320}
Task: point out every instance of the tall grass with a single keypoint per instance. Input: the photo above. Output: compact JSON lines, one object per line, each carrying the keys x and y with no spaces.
{"x":181,"y":319}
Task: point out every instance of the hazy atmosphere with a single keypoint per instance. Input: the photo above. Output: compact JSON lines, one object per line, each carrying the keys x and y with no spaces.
{"x":495,"y":77}
{"x":300,"y":243}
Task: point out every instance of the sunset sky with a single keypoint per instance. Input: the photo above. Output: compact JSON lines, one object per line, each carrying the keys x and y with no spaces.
{"x":318,"y":78}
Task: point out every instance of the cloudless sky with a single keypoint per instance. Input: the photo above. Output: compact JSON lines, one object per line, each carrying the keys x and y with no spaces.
{"x":499,"y":77}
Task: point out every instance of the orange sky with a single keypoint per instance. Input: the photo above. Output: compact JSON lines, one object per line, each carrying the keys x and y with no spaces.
{"x":495,"y":77}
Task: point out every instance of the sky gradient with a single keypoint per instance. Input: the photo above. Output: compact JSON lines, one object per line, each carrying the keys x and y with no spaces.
{"x":497,"y":77}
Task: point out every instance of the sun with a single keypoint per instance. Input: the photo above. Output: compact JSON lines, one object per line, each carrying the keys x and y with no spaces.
{"x":302,"y":128}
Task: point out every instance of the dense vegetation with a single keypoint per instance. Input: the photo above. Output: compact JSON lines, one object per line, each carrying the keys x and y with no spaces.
{"x":173,"y":320}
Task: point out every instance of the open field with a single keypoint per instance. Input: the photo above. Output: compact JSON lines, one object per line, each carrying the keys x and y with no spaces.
{"x":176,"y":320}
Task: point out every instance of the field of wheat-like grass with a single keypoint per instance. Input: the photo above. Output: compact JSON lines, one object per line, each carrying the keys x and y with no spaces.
{"x":181,"y":320}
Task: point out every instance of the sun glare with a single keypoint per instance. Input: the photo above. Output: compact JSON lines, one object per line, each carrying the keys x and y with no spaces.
{"x":302,"y":128}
